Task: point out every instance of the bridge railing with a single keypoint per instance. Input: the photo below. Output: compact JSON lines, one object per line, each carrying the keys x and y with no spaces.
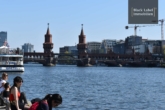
{"x":10,"y":51}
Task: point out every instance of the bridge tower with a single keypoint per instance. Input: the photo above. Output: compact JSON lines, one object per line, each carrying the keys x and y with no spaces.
{"x":48,"y":46}
{"x":82,"y":46}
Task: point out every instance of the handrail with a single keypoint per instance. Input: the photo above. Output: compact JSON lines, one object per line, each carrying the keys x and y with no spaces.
{"x":10,"y":51}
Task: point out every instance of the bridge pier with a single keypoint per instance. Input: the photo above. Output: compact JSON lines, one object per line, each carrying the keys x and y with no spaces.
{"x":49,"y":61}
{"x":84,"y":62}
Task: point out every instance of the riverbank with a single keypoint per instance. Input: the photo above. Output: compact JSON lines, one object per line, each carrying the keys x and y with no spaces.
{"x":2,"y":107}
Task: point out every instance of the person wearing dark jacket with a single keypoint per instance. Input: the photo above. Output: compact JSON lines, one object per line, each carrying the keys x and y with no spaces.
{"x":47,"y":103}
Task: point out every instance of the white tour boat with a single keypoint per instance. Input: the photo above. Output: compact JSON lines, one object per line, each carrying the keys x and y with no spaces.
{"x":11,"y":59}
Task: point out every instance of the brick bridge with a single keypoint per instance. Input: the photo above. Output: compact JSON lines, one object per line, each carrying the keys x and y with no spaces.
{"x":48,"y":58}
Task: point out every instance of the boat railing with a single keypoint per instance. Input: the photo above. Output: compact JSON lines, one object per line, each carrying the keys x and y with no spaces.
{"x":11,"y":63}
{"x":10,"y":51}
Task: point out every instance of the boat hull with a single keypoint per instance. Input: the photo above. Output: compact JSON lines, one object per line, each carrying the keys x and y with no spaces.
{"x":12,"y":69}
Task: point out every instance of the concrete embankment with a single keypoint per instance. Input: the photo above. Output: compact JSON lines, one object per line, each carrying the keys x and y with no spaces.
{"x":4,"y":107}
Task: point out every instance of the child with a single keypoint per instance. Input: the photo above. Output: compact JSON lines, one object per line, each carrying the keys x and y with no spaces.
{"x":3,"y":80}
{"x":6,"y":93}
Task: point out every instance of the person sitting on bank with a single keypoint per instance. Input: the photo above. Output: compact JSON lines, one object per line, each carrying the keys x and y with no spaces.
{"x":6,"y":93}
{"x":50,"y":101}
{"x":2,"y":83}
{"x":15,"y":95}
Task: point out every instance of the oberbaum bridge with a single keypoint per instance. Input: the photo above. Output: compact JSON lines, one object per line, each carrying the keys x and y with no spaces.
{"x":84,"y":59}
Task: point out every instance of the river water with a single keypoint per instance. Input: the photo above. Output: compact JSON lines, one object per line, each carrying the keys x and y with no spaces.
{"x":96,"y":88}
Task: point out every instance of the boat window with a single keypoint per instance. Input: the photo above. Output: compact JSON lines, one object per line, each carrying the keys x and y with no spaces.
{"x":13,"y":59}
{"x":4,"y":59}
{"x":20,"y":59}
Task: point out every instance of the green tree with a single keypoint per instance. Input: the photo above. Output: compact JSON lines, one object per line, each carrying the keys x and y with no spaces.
{"x":67,"y":57}
{"x":66,"y":52}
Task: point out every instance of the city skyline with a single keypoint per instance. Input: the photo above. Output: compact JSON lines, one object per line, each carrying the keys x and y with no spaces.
{"x":26,"y":22}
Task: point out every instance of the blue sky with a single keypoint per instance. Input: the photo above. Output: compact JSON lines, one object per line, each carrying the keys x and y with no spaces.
{"x":26,"y":21}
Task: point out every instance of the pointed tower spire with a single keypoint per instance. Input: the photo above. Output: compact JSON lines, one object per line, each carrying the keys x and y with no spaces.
{"x":82,"y":36}
{"x":82,"y":32}
{"x":82,"y":46}
{"x":48,"y":36}
{"x":48,"y":32}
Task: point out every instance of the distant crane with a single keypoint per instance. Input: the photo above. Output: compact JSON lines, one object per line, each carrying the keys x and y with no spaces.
{"x":162,"y":21}
{"x":135,"y":28}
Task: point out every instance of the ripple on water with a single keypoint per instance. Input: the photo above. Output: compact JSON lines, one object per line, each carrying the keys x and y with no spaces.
{"x":97,"y":88}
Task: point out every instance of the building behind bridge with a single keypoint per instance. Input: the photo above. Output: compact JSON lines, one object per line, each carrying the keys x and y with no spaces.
{"x":132,"y":43}
{"x":93,"y":47}
{"x":68,"y":49}
{"x":3,"y":37}
{"x":27,"y":47}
